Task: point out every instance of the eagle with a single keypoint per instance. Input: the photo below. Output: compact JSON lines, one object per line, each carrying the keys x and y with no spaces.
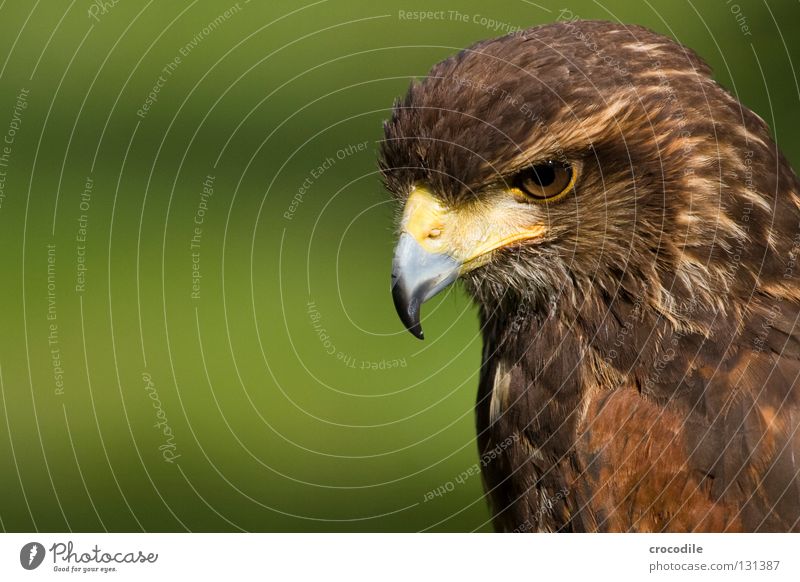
{"x":630,"y":234}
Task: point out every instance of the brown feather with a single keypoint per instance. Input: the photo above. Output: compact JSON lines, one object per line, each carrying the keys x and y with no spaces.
{"x":648,"y":349}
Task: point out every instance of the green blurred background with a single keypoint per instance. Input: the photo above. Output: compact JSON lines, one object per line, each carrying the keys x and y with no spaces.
{"x":279,"y":393}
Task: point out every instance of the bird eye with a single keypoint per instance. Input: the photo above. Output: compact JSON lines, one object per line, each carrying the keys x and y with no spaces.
{"x":544,"y":182}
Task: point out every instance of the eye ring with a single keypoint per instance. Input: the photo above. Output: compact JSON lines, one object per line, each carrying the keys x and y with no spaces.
{"x":545,"y":182}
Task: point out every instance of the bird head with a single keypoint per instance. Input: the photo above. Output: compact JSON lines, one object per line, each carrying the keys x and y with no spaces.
{"x":569,"y":163}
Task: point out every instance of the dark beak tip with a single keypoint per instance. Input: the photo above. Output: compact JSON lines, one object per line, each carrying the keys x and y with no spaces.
{"x":408,"y":308}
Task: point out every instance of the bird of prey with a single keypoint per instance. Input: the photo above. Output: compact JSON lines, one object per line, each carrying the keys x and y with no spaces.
{"x":630,"y":233}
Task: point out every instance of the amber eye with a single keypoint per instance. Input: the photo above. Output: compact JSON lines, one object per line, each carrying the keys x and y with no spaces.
{"x":545,"y":181}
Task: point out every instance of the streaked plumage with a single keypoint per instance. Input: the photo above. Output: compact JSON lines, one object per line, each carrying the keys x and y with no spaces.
{"x":643,"y":348}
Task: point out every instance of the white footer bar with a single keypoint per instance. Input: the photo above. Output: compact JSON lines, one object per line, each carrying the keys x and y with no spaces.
{"x":354,"y":557}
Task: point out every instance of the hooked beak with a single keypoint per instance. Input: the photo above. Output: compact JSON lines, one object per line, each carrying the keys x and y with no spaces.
{"x":439,"y":242}
{"x":418,"y":275}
